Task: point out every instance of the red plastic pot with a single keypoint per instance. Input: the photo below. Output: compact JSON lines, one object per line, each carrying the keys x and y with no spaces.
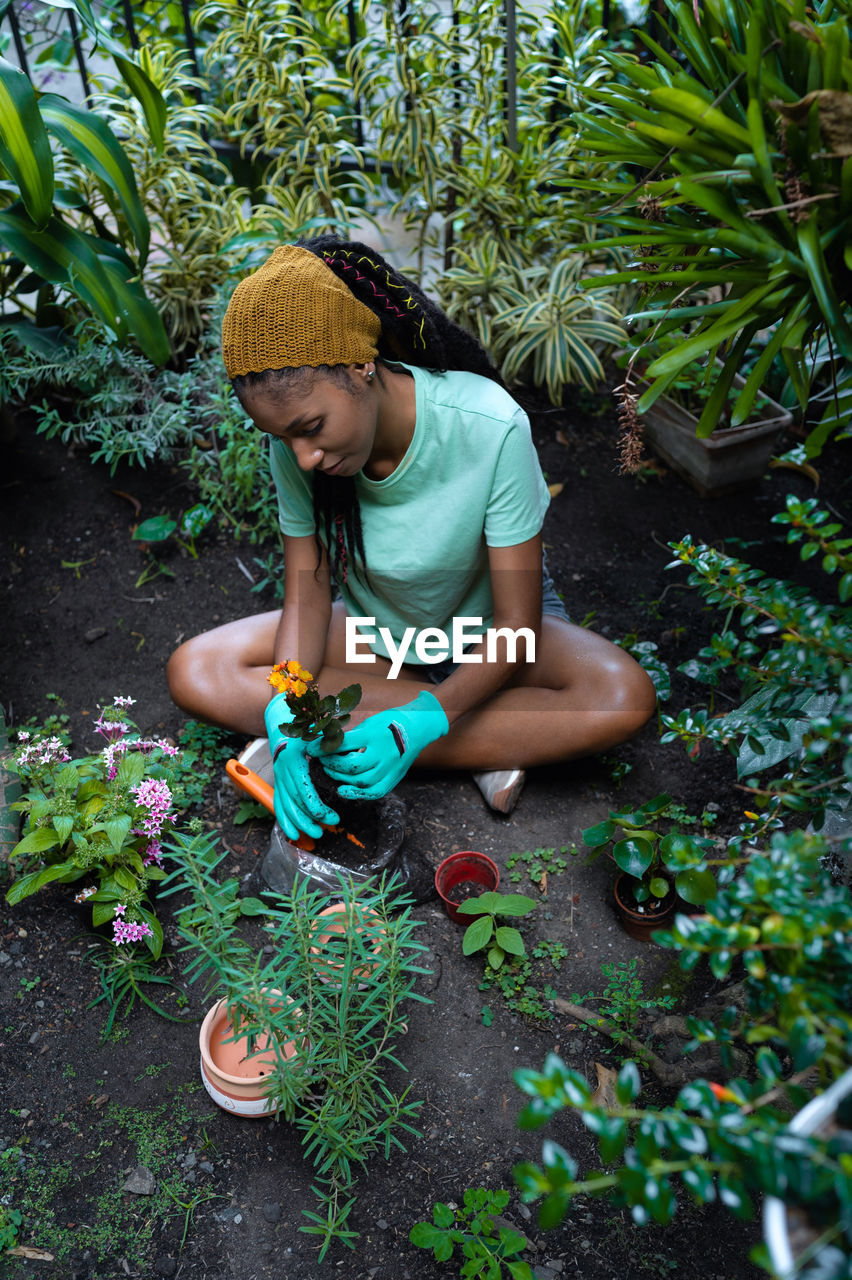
{"x":461,"y":867}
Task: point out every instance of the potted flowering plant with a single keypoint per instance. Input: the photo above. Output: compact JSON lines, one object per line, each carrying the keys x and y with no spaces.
{"x":98,"y":818}
{"x":370,"y":832}
{"x":313,"y":716}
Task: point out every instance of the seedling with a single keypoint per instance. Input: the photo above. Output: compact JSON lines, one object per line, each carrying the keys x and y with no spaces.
{"x":487,"y":1246}
{"x":501,"y":940}
{"x":160,"y":528}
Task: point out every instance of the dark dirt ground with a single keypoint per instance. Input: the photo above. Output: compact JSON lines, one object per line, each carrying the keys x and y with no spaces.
{"x":84,"y":1112}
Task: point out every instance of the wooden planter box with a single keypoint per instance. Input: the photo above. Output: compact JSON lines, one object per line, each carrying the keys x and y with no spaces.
{"x":731,"y":458}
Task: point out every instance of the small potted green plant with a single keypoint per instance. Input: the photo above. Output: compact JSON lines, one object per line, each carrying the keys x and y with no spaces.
{"x":319,"y":1014}
{"x":657,"y":864}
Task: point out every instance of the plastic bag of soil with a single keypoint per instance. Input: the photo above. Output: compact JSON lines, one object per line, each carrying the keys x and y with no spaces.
{"x":381,"y":823}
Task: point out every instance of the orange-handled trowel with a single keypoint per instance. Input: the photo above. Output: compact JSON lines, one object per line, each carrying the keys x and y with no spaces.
{"x":253,"y":785}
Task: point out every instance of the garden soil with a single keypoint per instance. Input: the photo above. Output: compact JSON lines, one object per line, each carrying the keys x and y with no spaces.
{"x":80,"y":1112}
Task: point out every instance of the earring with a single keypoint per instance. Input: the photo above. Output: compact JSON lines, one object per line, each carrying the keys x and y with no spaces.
{"x":371,"y":373}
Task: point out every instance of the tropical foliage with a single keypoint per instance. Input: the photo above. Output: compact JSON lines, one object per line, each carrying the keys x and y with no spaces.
{"x":731,"y":183}
{"x":75,"y":225}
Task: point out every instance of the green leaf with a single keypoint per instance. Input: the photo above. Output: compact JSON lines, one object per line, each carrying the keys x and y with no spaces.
{"x":37,"y":879}
{"x":489,"y":902}
{"x":24,"y":145}
{"x":146,"y":92}
{"x":701,"y":114}
{"x":515,"y":904}
{"x":696,"y":887}
{"x":510,"y":940}
{"x":101,"y":912}
{"x":348,"y":698}
{"x":124,"y":878}
{"x":65,"y":256}
{"x":155,"y":942}
{"x":477,"y":935}
{"x":91,"y":141}
{"x":63,"y":826}
{"x":118,"y":829}
{"x":594,"y":837}
{"x":633,"y":856}
{"x":37,"y":841}
{"x":443,"y":1215}
{"x":253,"y":907}
{"x":425,"y":1236}
{"x":629,"y":1083}
{"x":138,"y":314}
{"x":157,"y":529}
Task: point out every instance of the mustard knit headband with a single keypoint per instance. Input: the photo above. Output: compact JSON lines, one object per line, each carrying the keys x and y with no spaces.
{"x":293,"y":311}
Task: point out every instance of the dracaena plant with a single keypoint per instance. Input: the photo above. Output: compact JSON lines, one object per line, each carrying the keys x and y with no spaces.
{"x":99,"y":818}
{"x":730,"y":171}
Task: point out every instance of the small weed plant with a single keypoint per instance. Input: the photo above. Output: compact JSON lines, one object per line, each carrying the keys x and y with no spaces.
{"x":490,"y":1251}
{"x":624,"y":1000}
{"x":487,"y":933}
{"x":537,"y":864}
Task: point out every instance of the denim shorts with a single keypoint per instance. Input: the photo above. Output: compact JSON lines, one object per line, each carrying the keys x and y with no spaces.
{"x":551,"y":604}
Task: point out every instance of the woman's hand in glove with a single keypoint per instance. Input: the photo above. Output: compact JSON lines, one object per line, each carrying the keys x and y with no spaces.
{"x":298,"y":808}
{"x":381,"y":750}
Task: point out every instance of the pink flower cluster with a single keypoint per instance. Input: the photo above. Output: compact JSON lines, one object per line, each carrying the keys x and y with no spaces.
{"x":111,"y":729}
{"x":110,"y":756}
{"x":147,"y":745}
{"x":128,"y":930}
{"x":42,"y":752}
{"x":154,"y":795}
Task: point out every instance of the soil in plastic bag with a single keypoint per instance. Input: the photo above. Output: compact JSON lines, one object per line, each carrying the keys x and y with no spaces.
{"x":378,"y":828}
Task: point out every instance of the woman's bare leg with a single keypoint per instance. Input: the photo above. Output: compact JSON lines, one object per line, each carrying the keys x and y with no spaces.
{"x":583,"y":695}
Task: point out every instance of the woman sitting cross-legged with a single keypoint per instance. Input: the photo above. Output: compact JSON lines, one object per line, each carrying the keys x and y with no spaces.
{"x":407,"y":477}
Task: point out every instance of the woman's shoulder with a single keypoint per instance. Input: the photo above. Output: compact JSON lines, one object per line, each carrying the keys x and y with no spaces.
{"x":470,"y":394}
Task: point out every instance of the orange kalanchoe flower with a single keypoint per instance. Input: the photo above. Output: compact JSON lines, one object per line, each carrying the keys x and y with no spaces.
{"x":289,"y":677}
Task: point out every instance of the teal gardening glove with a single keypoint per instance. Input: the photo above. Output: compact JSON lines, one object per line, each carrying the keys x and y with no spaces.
{"x":376,"y":755}
{"x":298,"y":808}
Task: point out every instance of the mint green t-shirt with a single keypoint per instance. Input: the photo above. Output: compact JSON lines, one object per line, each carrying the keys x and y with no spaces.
{"x":469,"y":480}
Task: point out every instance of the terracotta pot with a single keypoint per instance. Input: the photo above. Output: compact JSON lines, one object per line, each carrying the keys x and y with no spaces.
{"x":725,"y":461}
{"x":638,"y":923}
{"x":813,"y":1118}
{"x":234,"y":1077}
{"x":461,"y":867}
{"x":333,"y":922}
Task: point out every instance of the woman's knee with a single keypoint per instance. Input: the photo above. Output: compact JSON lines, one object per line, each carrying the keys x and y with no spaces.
{"x":635,"y":698}
{"x":185,"y":673}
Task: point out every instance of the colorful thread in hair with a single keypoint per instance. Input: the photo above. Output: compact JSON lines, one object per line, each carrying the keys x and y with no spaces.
{"x":410,"y":303}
